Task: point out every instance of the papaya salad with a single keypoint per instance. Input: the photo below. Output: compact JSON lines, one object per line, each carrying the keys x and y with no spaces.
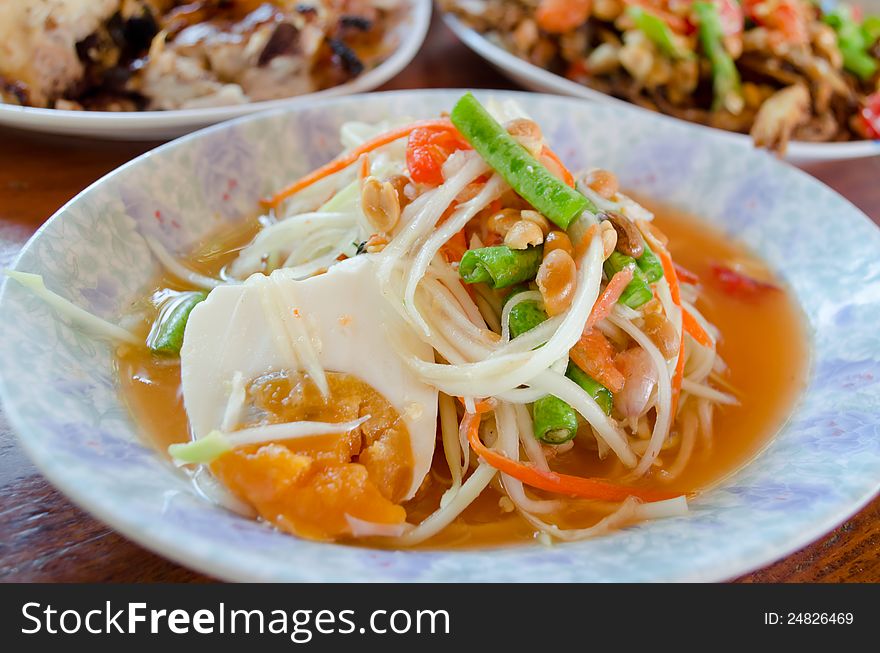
{"x":442,"y":326}
{"x":779,"y":70}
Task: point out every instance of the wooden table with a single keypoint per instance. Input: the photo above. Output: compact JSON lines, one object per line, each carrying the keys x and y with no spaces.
{"x":43,"y":537}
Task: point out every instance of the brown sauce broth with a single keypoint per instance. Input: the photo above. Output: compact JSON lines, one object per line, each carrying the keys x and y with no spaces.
{"x":763,"y":341}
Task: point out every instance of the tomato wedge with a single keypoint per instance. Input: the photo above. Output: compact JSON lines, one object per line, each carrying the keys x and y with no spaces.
{"x":348,"y":158}
{"x":870,"y":115}
{"x":731,"y":14}
{"x":560,"y":16}
{"x":787,"y":17}
{"x":427,"y":150}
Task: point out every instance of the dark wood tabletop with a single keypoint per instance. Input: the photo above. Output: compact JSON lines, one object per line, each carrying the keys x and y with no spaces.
{"x":43,"y":537}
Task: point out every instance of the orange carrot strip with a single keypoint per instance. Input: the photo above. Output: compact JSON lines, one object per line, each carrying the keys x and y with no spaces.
{"x":671,"y":276}
{"x":345,"y":160}
{"x":567,"y":177}
{"x":364,"y":171}
{"x":690,"y":325}
{"x":605,"y":304}
{"x":481,"y":406}
{"x":675,"y":291}
{"x":573,"y":486}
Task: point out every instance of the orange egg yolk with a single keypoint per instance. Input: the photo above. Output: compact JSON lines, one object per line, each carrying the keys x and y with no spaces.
{"x":308,"y":486}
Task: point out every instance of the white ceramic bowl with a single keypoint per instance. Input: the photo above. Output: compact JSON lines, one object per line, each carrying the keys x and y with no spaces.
{"x":59,"y":392}
{"x":539,"y":79}
{"x":156,"y":125}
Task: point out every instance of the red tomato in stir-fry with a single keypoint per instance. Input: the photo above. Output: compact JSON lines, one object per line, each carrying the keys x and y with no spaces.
{"x":788,"y":17}
{"x":870,"y":115}
{"x":427,"y":151}
{"x":560,"y":16}
{"x":731,"y":15}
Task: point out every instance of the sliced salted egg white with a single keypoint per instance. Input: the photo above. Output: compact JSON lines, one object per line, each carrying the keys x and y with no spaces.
{"x":338,"y":321}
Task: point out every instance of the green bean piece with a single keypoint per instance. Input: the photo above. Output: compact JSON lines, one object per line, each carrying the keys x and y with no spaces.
{"x":725,"y":77}
{"x":858,"y":62}
{"x":638,"y":291}
{"x":658,"y":32}
{"x":650,"y":265}
{"x":555,"y":422}
{"x":850,"y":34}
{"x":525,"y":316}
{"x":526,"y":175}
{"x":596,"y":390}
{"x":871,"y":28}
{"x":500,"y":266}
{"x":854,"y":41}
{"x":166,"y":335}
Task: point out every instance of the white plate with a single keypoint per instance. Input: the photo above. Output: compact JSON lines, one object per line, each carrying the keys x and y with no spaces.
{"x":156,"y":125}
{"x":539,"y":79}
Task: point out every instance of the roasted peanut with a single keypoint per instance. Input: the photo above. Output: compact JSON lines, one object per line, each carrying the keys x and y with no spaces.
{"x":603,"y":182}
{"x":503,"y":220}
{"x":558,"y":240}
{"x":608,"y":234}
{"x":380,"y":204}
{"x":400,"y":182}
{"x":524,"y":127}
{"x":607,"y":10}
{"x":376,"y":243}
{"x":527,"y":133}
{"x":538,"y":219}
{"x":557,"y":281}
{"x":522,"y":234}
{"x":629,"y":239}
